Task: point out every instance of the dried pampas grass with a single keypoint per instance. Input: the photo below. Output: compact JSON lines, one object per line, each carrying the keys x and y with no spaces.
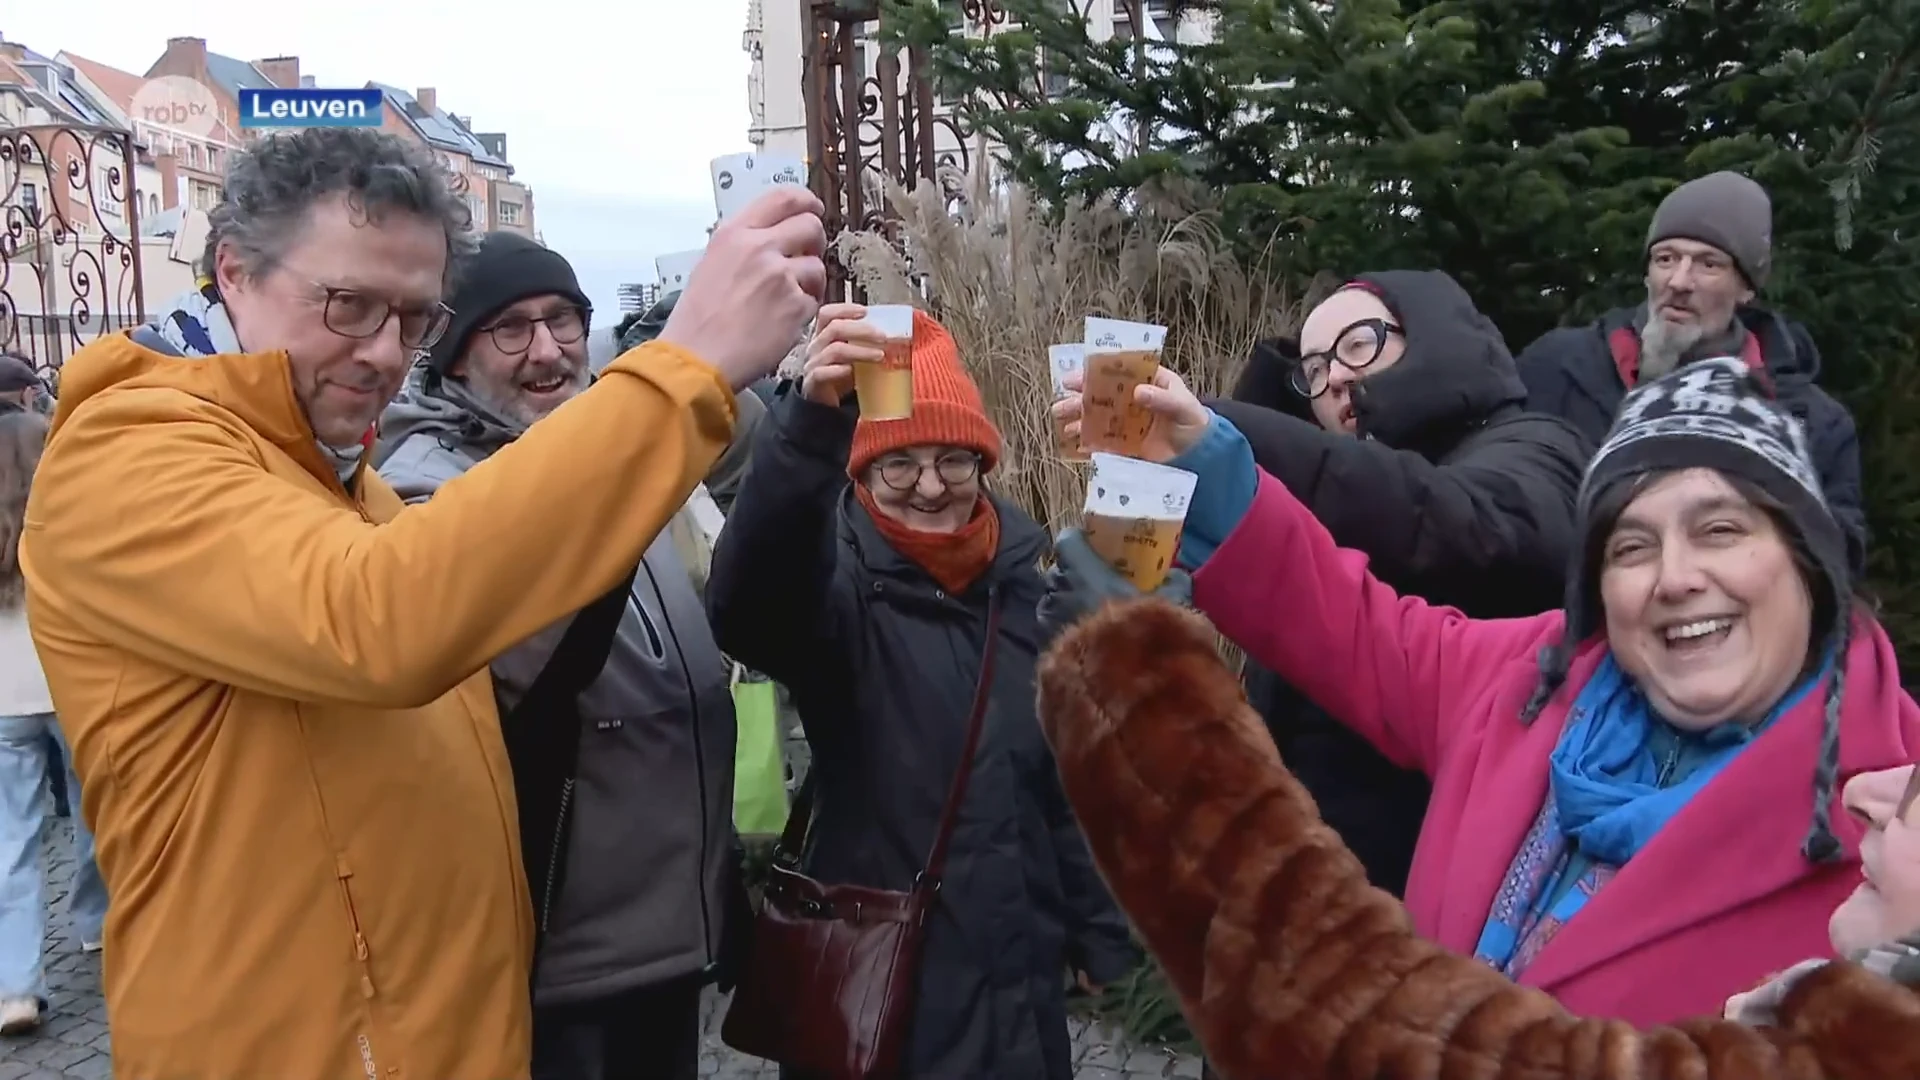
{"x":1008,"y":281}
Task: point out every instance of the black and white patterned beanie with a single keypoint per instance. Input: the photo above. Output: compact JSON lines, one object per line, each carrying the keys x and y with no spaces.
{"x":1716,"y":414}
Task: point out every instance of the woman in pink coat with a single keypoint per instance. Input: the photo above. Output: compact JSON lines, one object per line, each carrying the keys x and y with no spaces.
{"x":1635,"y":799}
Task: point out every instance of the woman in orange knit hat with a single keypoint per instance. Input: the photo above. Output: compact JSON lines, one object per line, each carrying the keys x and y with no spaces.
{"x":872,"y":601}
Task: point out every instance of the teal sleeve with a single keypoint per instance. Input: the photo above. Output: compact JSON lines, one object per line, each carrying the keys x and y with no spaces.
{"x":1223,"y":460}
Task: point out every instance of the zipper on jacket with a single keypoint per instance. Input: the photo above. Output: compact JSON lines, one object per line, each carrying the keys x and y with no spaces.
{"x":553,"y":857}
{"x":700,"y":778}
{"x":361,"y":953}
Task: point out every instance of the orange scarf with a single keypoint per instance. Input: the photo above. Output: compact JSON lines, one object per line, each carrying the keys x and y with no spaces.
{"x":955,"y":560}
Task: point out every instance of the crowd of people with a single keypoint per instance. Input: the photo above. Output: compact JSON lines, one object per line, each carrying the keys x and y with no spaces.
{"x":381,"y":620}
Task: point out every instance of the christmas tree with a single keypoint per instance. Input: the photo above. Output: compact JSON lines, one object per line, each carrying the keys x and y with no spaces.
{"x":1521,"y":145}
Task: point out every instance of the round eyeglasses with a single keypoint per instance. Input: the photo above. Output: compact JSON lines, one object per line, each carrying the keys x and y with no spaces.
{"x":902,"y":473}
{"x":355,"y":314}
{"x":514,"y":334}
{"x":1356,"y":348}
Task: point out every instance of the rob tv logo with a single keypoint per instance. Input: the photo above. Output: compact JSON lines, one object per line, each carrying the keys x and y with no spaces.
{"x":308,"y":107}
{"x":176,"y":103}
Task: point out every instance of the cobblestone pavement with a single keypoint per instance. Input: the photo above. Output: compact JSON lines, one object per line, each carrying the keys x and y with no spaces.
{"x":72,"y":1045}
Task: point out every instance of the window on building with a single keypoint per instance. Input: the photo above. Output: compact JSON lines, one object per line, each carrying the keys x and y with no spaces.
{"x":213,"y":159}
{"x":30,"y":199}
{"x":510,"y":213}
{"x":477,"y":206}
{"x":193,"y":155}
{"x":1159,"y":11}
{"x":103,"y":183}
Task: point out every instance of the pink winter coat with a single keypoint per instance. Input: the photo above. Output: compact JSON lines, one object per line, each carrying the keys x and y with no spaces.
{"x":1716,"y":903}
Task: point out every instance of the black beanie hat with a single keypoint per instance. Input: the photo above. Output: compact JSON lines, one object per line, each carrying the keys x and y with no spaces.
{"x":508,"y":268}
{"x":1716,"y":414}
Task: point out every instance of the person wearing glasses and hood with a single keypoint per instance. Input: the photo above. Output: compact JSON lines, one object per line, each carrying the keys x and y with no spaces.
{"x":1399,"y":420}
{"x":635,"y":915}
{"x":860,"y":569}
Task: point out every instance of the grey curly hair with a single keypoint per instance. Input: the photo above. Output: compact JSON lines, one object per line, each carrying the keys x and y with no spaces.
{"x":272,"y":184}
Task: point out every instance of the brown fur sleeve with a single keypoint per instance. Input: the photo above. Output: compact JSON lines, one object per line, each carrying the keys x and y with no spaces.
{"x":1289,"y":964}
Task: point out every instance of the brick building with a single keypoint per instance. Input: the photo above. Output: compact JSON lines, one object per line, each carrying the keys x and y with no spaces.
{"x":496,"y":200}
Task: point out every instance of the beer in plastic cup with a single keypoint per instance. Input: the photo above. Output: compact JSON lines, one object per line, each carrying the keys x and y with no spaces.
{"x":885,"y":386}
{"x":1121,"y":356}
{"x":1065,"y":360}
{"x":1133,"y":516}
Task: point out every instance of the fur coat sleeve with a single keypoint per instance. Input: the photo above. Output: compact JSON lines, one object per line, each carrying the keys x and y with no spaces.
{"x":1289,"y":964}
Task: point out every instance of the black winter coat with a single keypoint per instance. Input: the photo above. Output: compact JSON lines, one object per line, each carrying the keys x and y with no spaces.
{"x":882,"y":664}
{"x":1455,"y":494}
{"x":1573,"y":373}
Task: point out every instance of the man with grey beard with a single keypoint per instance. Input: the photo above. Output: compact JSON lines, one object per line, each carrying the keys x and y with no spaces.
{"x":624,"y":781}
{"x":1708,"y":254}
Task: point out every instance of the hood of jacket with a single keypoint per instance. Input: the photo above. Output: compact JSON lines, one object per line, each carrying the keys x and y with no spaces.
{"x":257,"y":388}
{"x":1456,"y":372}
{"x":431,"y":405}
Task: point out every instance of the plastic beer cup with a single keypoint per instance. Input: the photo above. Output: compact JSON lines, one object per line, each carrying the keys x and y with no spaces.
{"x":885,"y":386}
{"x":1065,"y":360}
{"x":1133,"y":516}
{"x":1120,"y":357}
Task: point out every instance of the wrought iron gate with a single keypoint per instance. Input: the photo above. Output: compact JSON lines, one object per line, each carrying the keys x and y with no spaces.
{"x":863,"y":128}
{"x":69,"y":239}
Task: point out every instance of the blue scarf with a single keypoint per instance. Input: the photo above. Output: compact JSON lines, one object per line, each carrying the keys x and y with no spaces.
{"x":1620,"y":773}
{"x":1617,"y":776}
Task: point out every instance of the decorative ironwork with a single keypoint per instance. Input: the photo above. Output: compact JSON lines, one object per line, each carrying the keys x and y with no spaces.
{"x":69,"y":247}
{"x":985,"y":14}
{"x":868,"y":124}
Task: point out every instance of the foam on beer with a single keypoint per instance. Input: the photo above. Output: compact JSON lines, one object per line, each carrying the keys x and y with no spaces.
{"x":1134,"y":514}
{"x":1117,"y":335}
{"x":893,"y":320}
{"x":1128,"y":489}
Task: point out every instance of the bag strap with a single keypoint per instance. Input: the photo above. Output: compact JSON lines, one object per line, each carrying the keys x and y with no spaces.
{"x":794,"y":837}
{"x":976,"y":719}
{"x":542,"y":733}
{"x":582,"y":653}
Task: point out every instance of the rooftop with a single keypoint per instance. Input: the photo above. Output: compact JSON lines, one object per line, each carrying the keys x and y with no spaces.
{"x":236,"y":75}
{"x":439,"y":128}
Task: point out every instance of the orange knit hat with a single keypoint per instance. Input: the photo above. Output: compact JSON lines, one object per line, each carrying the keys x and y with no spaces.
{"x":947,"y":409}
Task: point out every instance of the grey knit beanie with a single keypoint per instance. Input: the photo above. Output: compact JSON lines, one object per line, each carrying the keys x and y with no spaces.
{"x":1724,"y":209}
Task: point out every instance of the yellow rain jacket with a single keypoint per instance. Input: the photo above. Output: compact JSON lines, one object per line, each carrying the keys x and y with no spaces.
{"x":278,"y":701}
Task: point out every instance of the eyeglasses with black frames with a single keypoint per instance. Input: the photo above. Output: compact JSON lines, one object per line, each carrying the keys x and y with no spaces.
{"x":513,"y":334}
{"x":357,"y":314}
{"x":1356,"y":348}
{"x":902,"y":473}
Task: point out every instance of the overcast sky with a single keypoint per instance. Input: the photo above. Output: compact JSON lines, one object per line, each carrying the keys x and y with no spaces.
{"x":612,"y":110}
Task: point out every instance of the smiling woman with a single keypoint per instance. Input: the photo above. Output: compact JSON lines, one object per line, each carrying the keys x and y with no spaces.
{"x":1635,"y":798}
{"x":1709,"y":594}
{"x":886,"y":605}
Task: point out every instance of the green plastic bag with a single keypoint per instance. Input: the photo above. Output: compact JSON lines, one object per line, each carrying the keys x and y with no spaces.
{"x":759,"y":768}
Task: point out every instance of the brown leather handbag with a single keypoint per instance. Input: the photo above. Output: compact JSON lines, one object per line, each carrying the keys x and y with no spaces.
{"x":829,"y":984}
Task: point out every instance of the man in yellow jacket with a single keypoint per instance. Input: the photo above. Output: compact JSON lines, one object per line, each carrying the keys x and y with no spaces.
{"x":274,"y":675}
